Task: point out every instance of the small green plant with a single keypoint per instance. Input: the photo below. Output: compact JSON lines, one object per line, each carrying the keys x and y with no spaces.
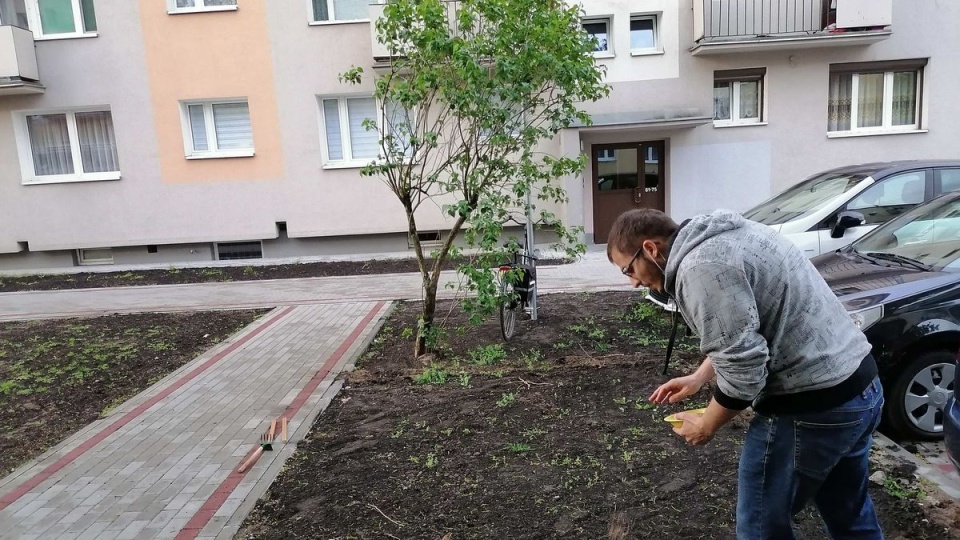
{"x":464,"y":379}
{"x":642,"y":405}
{"x":397,"y":433}
{"x":407,"y":333}
{"x":531,"y":358}
{"x":519,"y":448}
{"x":627,"y":456}
{"x":487,"y":355}
{"x":506,"y":399}
{"x":433,"y":375}
{"x":447,"y":431}
{"x":249,"y":270}
{"x":620,"y":401}
{"x":431,"y":461}
{"x":901,"y":490}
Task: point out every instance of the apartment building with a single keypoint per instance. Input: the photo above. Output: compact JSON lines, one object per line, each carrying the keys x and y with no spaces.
{"x":171,"y":131}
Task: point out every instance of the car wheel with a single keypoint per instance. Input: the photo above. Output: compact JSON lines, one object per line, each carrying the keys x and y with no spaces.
{"x":914,"y":405}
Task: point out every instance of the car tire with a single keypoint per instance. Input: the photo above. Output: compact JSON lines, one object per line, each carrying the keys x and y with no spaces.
{"x":914,"y":404}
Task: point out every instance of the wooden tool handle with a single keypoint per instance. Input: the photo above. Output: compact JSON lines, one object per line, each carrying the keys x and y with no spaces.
{"x":273,"y":430}
{"x":283,"y":428}
{"x":251,"y":460}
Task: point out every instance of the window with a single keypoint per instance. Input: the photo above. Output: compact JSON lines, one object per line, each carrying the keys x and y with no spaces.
{"x":217,"y":129}
{"x":194,"y":6}
{"x":875,"y":97}
{"x":738,"y":97}
{"x":340,"y":10}
{"x":87,"y":257}
{"x":347,"y":139}
{"x":599,"y":30}
{"x":60,"y":18}
{"x":948,"y":180}
{"x":606,"y":154}
{"x":67,"y":146}
{"x":644,"y":36}
{"x":890,"y":197}
{"x":399,"y":124}
{"x":232,"y":251}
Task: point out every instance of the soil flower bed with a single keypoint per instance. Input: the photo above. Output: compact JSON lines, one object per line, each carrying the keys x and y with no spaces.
{"x":547,"y":436}
{"x":57,"y":376}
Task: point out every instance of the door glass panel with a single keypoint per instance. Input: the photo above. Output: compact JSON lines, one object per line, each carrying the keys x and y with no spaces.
{"x":651,"y":169}
{"x":617,"y":169}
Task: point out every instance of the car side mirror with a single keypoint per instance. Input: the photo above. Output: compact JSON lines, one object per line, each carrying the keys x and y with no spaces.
{"x":846,"y":220}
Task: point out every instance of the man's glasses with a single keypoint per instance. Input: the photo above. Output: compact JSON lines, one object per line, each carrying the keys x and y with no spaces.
{"x":628,"y":269}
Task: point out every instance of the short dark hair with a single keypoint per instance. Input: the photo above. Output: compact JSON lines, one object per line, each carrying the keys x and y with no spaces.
{"x":634,"y":226}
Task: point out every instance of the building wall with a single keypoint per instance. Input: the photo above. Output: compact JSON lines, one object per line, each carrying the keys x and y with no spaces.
{"x":144,"y":62}
{"x":737,"y":167}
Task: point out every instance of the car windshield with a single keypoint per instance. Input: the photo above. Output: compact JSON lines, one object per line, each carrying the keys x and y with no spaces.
{"x":803,"y":198}
{"x":928,"y":234}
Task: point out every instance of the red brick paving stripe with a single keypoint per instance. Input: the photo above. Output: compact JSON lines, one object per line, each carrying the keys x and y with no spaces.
{"x":52,"y":469}
{"x":206,"y":512}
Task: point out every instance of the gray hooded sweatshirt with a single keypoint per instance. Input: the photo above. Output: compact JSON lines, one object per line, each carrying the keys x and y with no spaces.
{"x":772,"y":327}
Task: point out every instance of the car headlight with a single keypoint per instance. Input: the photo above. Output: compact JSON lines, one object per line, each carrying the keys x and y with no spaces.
{"x":865,"y":318}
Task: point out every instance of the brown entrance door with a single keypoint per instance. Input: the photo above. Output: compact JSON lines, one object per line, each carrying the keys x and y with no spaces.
{"x":625,"y":176}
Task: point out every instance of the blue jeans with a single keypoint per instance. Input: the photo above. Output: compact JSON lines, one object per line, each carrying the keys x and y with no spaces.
{"x":790,"y":460}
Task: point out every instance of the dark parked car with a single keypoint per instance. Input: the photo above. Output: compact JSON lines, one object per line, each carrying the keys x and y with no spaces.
{"x":951,"y":424}
{"x":901,"y":285}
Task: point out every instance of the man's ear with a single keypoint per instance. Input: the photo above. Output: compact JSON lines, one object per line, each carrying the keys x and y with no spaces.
{"x":651,"y":248}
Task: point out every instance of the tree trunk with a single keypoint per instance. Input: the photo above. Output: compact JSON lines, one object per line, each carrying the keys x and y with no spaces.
{"x":426,"y":318}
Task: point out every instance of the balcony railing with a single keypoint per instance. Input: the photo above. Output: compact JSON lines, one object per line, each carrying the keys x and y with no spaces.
{"x":18,"y":62}
{"x":734,"y":23}
{"x":750,"y":18}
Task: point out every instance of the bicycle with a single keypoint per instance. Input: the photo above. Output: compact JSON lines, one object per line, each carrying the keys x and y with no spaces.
{"x":518,"y":283}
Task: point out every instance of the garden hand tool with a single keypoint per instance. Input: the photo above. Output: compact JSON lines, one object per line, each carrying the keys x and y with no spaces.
{"x":266,"y":443}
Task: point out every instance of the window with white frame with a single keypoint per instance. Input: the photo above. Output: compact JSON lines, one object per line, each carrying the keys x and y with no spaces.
{"x":323,"y":11}
{"x":399,"y":123}
{"x":348,"y":141}
{"x":67,"y":146}
{"x":51,"y":19}
{"x":738,"y":97}
{"x":194,"y":6}
{"x":217,"y":128}
{"x":875,"y":97}
{"x":644,"y":34}
{"x":600,"y":29}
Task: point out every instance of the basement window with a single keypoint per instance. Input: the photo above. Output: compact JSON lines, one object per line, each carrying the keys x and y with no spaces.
{"x":88,"y":257}
{"x":427,"y":238}
{"x":231,"y":251}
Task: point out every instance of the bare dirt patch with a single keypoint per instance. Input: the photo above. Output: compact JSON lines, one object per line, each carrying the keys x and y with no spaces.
{"x":548,"y":436}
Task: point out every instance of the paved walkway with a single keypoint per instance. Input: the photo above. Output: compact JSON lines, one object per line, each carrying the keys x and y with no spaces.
{"x":593,"y":273}
{"x":165,"y":464}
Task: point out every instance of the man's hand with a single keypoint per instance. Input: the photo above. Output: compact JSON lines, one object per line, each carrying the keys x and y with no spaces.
{"x":692,"y":429}
{"x":680,"y":388}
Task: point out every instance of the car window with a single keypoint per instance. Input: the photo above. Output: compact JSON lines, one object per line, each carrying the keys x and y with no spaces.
{"x":949,"y":180}
{"x":803,"y":198}
{"x":890,"y":197}
{"x":929,"y":234}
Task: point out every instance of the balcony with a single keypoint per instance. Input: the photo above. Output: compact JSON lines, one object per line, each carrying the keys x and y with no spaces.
{"x":381,"y":55}
{"x":734,"y":26}
{"x":18,"y":62}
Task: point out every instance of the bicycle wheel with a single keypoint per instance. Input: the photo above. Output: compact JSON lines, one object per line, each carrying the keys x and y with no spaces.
{"x":509,"y":306}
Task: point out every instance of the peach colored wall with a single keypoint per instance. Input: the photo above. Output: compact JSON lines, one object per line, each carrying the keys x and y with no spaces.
{"x":238,"y":64}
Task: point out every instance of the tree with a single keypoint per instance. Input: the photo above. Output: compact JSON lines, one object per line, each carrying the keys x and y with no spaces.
{"x":473,"y":92}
